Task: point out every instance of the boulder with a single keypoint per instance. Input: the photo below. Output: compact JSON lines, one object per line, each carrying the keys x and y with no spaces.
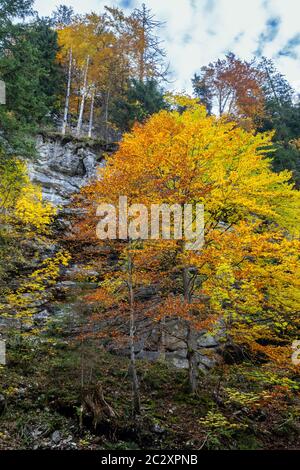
{"x":56,"y":437}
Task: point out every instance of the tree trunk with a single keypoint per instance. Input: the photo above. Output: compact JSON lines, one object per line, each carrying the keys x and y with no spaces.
{"x":136,"y":402}
{"x":191,"y":337}
{"x":162,"y":349}
{"x":91,"y":114}
{"x":106,"y":114}
{"x":84,"y":90}
{"x":143,"y":45}
{"x":66,"y":111}
{"x":186,"y":285}
{"x":192,"y":358}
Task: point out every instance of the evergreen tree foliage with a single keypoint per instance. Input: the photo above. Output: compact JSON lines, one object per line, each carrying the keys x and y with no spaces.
{"x":142,"y":99}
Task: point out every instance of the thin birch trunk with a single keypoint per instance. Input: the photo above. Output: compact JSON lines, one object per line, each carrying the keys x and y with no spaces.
{"x":67,"y":104}
{"x":84,"y":90}
{"x":91,"y":114}
{"x":106,"y":114}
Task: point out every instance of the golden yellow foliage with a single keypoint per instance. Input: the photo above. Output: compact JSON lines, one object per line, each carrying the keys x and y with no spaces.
{"x":248,"y":270}
{"x":21,"y":200}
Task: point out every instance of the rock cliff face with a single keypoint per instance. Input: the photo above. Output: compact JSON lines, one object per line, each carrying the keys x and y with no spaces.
{"x":63,"y":166}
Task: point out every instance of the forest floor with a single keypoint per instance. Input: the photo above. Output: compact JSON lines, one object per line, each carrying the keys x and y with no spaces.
{"x":45,"y":383}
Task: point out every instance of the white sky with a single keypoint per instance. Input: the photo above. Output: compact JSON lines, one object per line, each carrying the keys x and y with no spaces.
{"x":200,"y":31}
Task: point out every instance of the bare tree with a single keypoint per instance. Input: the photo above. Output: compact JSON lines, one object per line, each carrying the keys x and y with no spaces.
{"x":147,"y":53}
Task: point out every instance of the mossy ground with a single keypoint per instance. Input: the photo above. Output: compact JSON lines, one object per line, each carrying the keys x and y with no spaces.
{"x":237,"y":407}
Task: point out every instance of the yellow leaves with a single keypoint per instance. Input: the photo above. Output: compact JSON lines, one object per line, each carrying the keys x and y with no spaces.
{"x":51,"y":266}
{"x":88,"y":36}
{"x":216,"y":421}
{"x":22,"y":200}
{"x":249,"y":399}
{"x":267,"y":376}
{"x":12,"y":180}
{"x":31,"y":210}
{"x":11,"y":391}
{"x":178,"y":157}
{"x":225,"y":273}
{"x":32,"y":290}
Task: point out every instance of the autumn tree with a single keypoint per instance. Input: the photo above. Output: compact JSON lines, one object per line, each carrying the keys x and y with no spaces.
{"x":257,"y":95}
{"x":146,"y":50}
{"x":240,"y":279}
{"x":25,"y":226}
{"x":138,"y":67}
{"x":117,"y":309}
{"x":232,"y":86}
{"x":103,"y":56}
{"x":24,"y":217}
{"x":138,"y":35}
{"x":87,"y":50}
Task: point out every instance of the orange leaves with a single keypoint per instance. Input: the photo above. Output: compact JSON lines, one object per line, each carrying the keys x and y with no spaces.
{"x":196,"y":313}
{"x":102,"y":297}
{"x":279,"y":355}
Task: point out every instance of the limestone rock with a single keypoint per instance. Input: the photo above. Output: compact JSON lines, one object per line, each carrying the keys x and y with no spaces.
{"x":56,"y":437}
{"x":207,"y":340}
{"x":62,"y":168}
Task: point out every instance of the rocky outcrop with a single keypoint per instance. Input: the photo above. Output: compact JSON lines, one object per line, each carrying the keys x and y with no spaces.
{"x":63,"y":166}
{"x":172,"y":346}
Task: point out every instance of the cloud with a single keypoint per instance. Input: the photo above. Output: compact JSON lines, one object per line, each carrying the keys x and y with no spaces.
{"x":199,"y":31}
{"x":266,"y":3}
{"x":289,"y":49}
{"x":269,"y":34}
{"x":238,"y":37}
{"x":210,"y":5}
